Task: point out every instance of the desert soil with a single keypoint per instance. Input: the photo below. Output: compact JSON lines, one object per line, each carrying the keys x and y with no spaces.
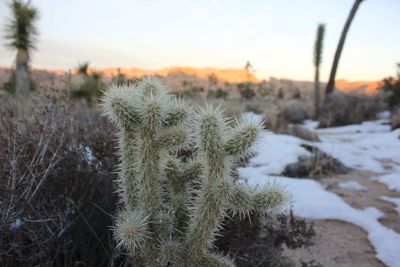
{"x":342,"y":244}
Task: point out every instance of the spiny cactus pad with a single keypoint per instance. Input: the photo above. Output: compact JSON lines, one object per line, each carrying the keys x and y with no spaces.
{"x":175,"y":205}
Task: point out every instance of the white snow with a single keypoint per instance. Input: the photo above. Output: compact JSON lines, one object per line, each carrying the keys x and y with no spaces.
{"x":369,"y":146}
{"x":312,"y":201}
{"x":383,"y":115}
{"x":352,"y":185}
{"x":393,"y":200}
{"x":363,"y":146}
{"x":275,"y":151}
{"x":88,"y":153}
{"x":392,"y":180}
{"x":17,"y":224}
{"x":310,"y":124}
{"x":252,"y":116}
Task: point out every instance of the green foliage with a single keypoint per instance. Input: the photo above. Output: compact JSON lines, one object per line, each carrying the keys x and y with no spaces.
{"x":83,"y":68}
{"x":174,"y":206}
{"x":21,"y":30}
{"x":189,"y":90}
{"x":391,"y":86}
{"x":219,"y":93}
{"x":90,"y":86}
{"x":318,"y":46}
{"x":246,"y":91}
{"x":297,"y":93}
{"x":281,"y":94}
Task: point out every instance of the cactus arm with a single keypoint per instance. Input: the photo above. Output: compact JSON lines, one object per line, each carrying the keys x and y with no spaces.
{"x":127,"y":176}
{"x":209,"y":208}
{"x":270,"y":199}
{"x":242,"y":138}
{"x":241,"y":201}
{"x":193,"y":171}
{"x":174,"y":138}
{"x":172,"y":252}
{"x":177,"y":114}
{"x":216,"y":260}
{"x":177,"y":198}
{"x":131,"y":229}
{"x":119,"y":106}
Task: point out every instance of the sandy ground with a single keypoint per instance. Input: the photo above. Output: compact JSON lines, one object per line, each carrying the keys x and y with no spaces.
{"x":339,"y":243}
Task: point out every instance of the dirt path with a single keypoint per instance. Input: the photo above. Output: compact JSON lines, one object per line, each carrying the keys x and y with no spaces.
{"x":339,"y":243}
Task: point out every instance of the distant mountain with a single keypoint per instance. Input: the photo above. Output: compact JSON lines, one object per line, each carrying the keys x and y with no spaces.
{"x":366,"y":87}
{"x":223,"y":75}
{"x":175,"y":77}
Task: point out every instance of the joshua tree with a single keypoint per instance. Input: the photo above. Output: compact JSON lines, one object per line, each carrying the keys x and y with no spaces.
{"x":317,"y":62}
{"x":83,"y":68}
{"x":249,"y":69}
{"x":174,"y":206}
{"x":331,"y":83}
{"x":21,"y":33}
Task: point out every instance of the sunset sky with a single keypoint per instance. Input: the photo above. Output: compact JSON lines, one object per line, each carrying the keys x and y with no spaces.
{"x":276,"y":36}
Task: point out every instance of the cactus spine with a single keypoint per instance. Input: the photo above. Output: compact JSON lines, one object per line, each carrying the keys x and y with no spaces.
{"x":174,"y":206}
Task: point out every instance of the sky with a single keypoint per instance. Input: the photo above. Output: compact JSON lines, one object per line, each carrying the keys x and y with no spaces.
{"x":276,"y":36}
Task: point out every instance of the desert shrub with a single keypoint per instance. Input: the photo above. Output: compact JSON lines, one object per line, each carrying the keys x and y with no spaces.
{"x":173,"y":205}
{"x":281,"y":94}
{"x":258,"y":241}
{"x":296,"y":93}
{"x":343,"y":109}
{"x":395,"y":118}
{"x":271,"y":114}
{"x":10,"y":84}
{"x":391,"y":86}
{"x":87,"y":85}
{"x":90,"y":88}
{"x":318,"y":165}
{"x":302,"y":132}
{"x":56,"y":184}
{"x":246,"y":91}
{"x":295,"y":111}
{"x":189,"y":91}
{"x":219,"y":93}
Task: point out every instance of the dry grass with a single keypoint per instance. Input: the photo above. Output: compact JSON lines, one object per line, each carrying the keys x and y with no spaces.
{"x":55,"y":200}
{"x":343,"y":109}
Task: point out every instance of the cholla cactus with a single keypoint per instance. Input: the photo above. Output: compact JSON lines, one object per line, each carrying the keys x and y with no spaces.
{"x":174,"y":206}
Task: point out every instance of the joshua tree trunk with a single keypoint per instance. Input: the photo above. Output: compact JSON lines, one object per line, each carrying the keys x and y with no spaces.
{"x":331,"y":83}
{"x":317,"y":93}
{"x":22,"y":73}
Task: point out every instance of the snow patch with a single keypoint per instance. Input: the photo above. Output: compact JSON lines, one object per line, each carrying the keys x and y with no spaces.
{"x":364,"y":146}
{"x":276,"y":151}
{"x":312,"y":201}
{"x":252,"y":116}
{"x":383,"y":115}
{"x":364,"y":150}
{"x":310,"y":124}
{"x":352,"y":185}
{"x":15,"y":225}
{"x":391,"y":180}
{"x":393,"y":200}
